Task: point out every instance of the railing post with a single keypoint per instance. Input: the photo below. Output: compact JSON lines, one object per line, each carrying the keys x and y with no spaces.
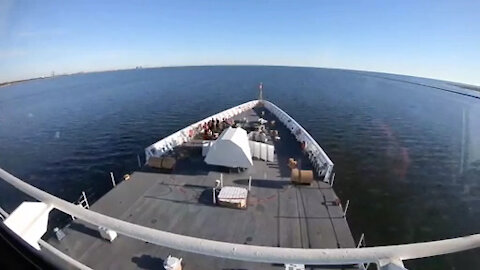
{"x":85,"y":199}
{"x":213,"y":194}
{"x":361,"y":242}
{"x":332,"y":180}
{"x":139,"y":162}
{"x":250,"y":183}
{"x":346,"y":208}
{"x":221,"y":180}
{"x":113,"y":179}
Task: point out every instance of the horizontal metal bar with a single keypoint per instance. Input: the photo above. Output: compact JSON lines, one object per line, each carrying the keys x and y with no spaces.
{"x":249,"y":252}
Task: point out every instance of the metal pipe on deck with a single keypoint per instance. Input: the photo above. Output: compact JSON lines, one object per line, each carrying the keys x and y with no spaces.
{"x":250,"y":252}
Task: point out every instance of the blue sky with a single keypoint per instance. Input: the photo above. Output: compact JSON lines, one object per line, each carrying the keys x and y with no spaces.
{"x":436,"y":39}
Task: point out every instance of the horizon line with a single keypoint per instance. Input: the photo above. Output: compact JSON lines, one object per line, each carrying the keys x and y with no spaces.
{"x":7,"y":83}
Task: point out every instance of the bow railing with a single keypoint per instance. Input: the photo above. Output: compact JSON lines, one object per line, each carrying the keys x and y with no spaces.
{"x":386,"y":257}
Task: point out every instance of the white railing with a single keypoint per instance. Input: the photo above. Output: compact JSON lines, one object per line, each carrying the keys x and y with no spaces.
{"x":184,"y":135}
{"x":320,"y":161}
{"x":383,"y":255}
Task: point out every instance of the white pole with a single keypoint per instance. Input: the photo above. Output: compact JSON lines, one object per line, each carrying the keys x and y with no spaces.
{"x":346,"y":208}
{"x":214,"y":199}
{"x":85,"y":199}
{"x":333,"y":179}
{"x":221,"y":180}
{"x":360,"y":242}
{"x":139,"y":162}
{"x":249,"y":183}
{"x":113,"y":179}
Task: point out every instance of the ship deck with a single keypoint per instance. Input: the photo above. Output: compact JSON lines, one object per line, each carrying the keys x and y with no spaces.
{"x":279,"y":214}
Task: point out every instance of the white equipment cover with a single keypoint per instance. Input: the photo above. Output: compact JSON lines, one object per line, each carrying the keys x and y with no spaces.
{"x":262,"y":151}
{"x":206,"y":147}
{"x":29,"y":221}
{"x":231,"y":149}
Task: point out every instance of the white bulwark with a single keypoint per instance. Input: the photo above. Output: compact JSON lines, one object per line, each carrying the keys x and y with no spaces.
{"x":231,"y":149}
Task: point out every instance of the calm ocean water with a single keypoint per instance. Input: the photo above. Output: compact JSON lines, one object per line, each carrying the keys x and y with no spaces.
{"x":405,"y":149}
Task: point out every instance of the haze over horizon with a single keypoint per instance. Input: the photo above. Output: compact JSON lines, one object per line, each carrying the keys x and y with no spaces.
{"x":433,"y":39}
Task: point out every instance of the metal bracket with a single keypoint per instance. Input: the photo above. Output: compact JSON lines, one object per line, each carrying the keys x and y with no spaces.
{"x":391,"y":264}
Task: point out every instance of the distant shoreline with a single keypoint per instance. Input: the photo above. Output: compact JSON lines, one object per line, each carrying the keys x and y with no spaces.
{"x":4,"y":84}
{"x":467,"y":86}
{"x":458,"y":84}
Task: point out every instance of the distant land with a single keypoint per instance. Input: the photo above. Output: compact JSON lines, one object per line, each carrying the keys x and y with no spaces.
{"x":466,"y":86}
{"x":2,"y":84}
{"x":368,"y":73}
{"x":19,"y":81}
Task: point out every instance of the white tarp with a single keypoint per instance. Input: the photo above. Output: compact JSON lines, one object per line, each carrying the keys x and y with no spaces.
{"x":231,"y":149}
{"x":233,"y":194}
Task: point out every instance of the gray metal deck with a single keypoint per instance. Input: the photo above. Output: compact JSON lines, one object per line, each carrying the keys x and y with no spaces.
{"x":279,"y":214}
